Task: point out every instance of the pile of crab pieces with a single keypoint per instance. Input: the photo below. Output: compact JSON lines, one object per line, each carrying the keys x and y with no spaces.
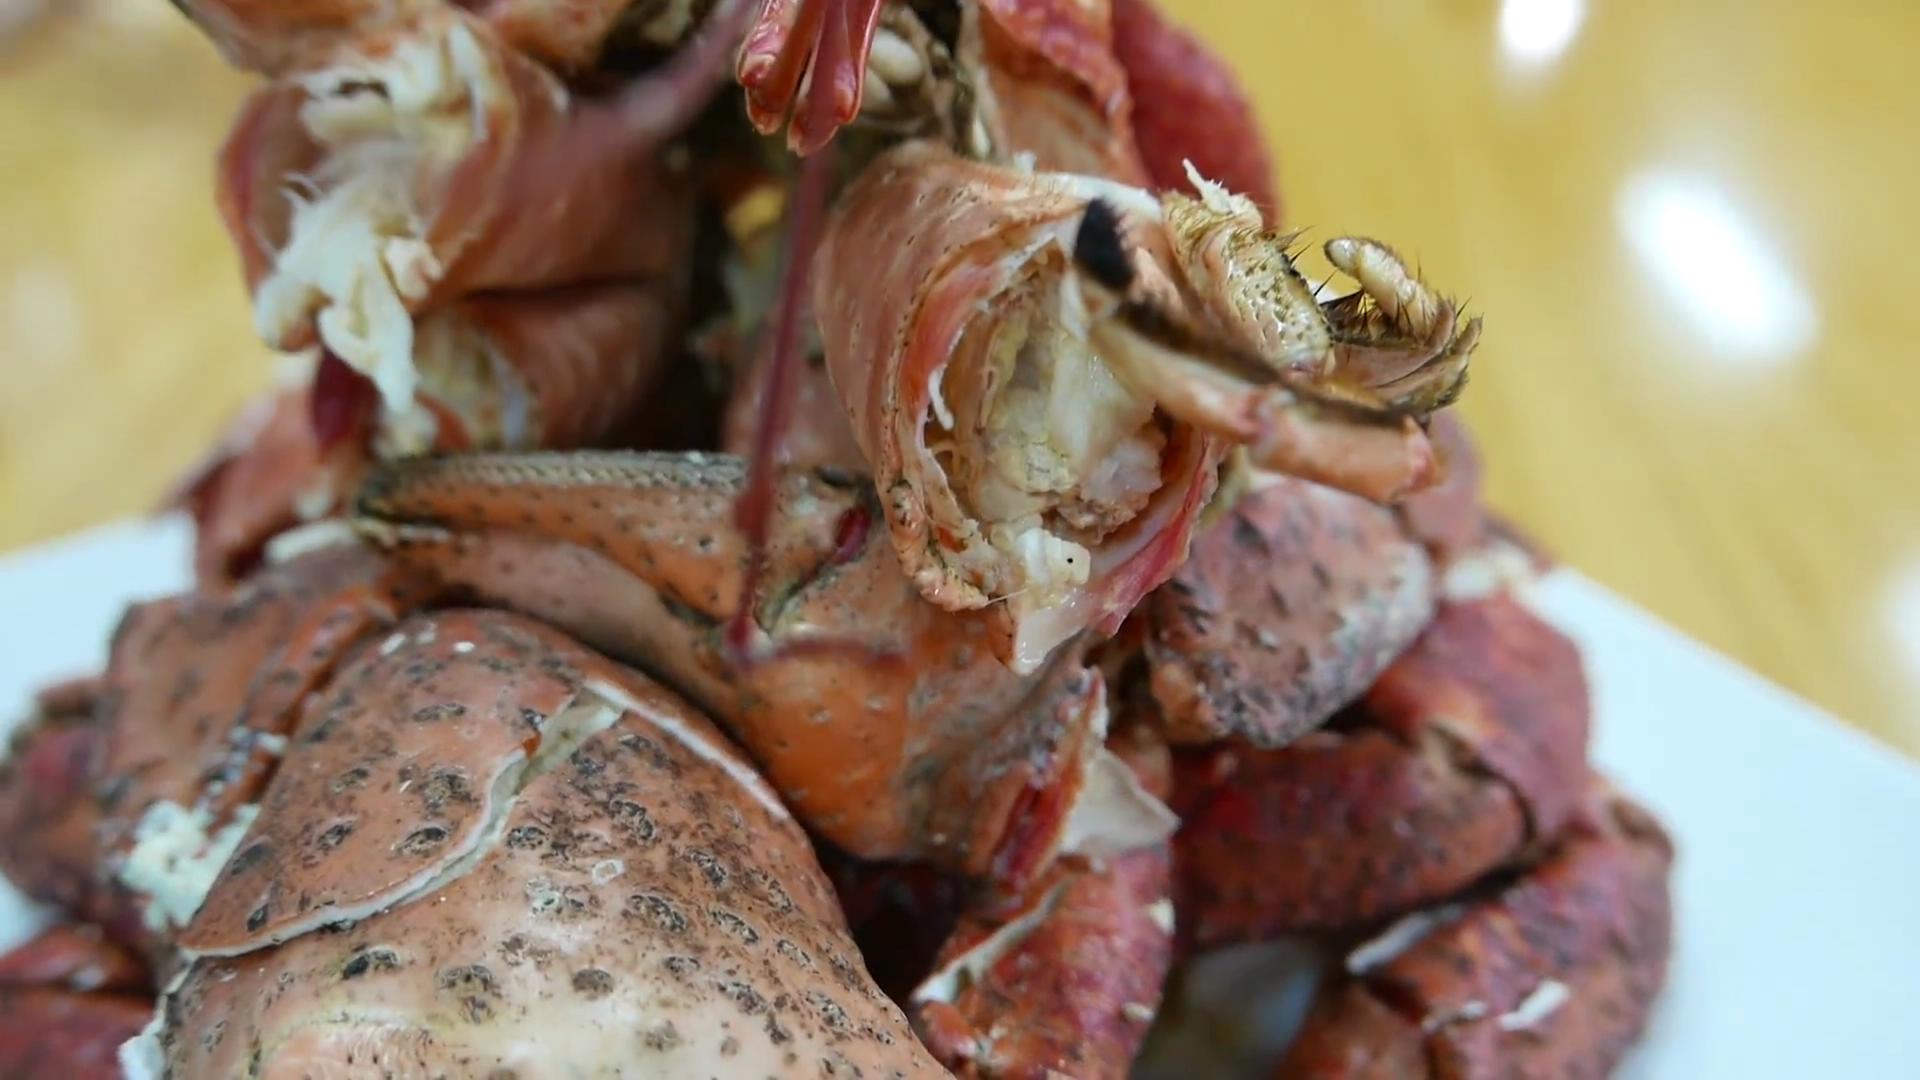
{"x":898,"y":601}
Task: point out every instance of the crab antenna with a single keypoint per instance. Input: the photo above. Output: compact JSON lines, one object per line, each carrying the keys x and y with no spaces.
{"x":754,"y":510}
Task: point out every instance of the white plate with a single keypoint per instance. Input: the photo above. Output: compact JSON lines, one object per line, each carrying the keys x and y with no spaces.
{"x":1798,"y":948}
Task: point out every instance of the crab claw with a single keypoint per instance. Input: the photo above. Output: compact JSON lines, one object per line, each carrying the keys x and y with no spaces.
{"x":1227,"y":335}
{"x":808,"y":58}
{"x":1467,"y":754}
{"x":1041,"y":369}
{"x":1550,"y":974}
{"x":883,"y":720}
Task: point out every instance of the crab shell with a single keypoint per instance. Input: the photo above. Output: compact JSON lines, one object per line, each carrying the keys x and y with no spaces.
{"x":1064,"y":977}
{"x":546,"y":862}
{"x":199,"y":692}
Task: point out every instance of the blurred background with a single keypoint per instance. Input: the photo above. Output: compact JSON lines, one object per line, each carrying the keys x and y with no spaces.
{"x":1686,"y":225}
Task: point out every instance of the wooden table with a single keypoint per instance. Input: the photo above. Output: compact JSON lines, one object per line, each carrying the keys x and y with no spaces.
{"x":1685,"y":224}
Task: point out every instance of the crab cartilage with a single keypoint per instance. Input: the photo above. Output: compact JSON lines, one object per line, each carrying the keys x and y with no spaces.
{"x":434,"y":163}
{"x":357,"y":256}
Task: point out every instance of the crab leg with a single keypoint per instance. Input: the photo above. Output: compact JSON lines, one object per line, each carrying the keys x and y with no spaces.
{"x":1289,"y":608}
{"x":755,"y":507}
{"x":912,"y":740}
{"x":68,"y":999}
{"x":1550,"y":974}
{"x":1063,"y":977}
{"x":1467,"y":754}
{"x":809,"y":52}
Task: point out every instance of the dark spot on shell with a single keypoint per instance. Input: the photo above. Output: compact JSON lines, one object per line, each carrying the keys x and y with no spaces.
{"x":777,"y":1033}
{"x":768,"y":888}
{"x":794,"y":953}
{"x":333,"y":835}
{"x":423,"y":840}
{"x":433,"y":714}
{"x":734,"y":924}
{"x":710,"y":866}
{"x":526,"y":837}
{"x":680,"y":966}
{"x":257,"y":918}
{"x":249,"y":857}
{"x":474,"y":985}
{"x":444,"y":785}
{"x":831,"y":1014}
{"x":745,"y":996}
{"x":661,"y":1036}
{"x":592,"y":983}
{"x":632,"y":817}
{"x":350,"y":779}
{"x":370,"y":960}
{"x":657,"y":910}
